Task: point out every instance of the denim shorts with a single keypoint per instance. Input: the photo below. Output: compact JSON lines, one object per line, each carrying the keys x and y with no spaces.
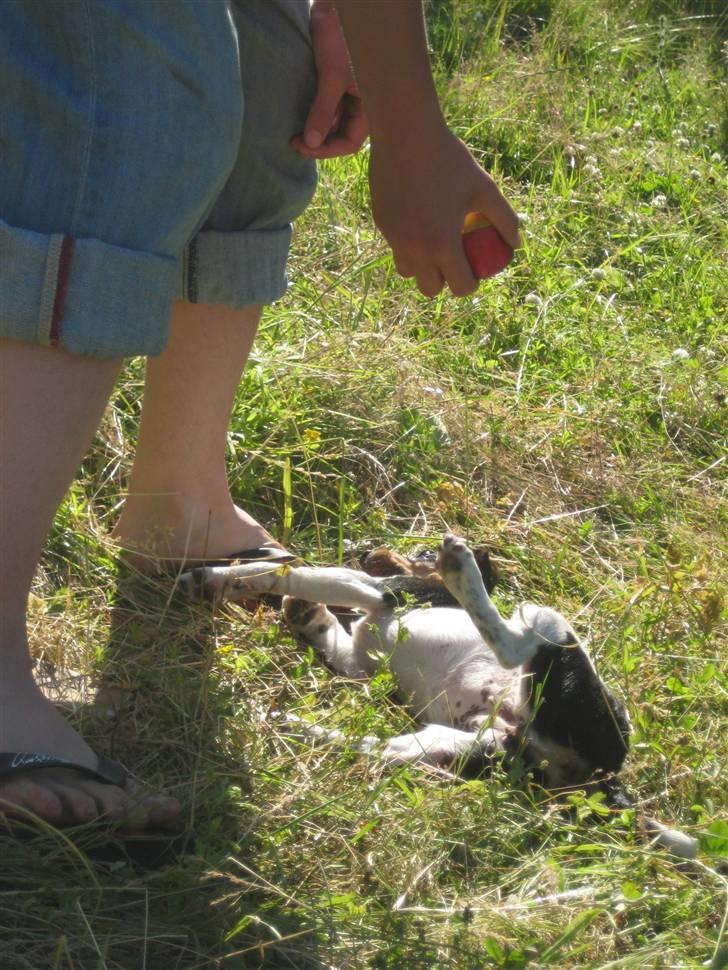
{"x":144,"y":156}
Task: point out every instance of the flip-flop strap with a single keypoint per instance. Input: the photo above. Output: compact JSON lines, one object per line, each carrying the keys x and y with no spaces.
{"x":260,"y":554}
{"x":107,"y":771}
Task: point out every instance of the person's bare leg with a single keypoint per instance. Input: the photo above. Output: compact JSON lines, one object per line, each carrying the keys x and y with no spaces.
{"x":50,"y":406}
{"x":178,"y":503}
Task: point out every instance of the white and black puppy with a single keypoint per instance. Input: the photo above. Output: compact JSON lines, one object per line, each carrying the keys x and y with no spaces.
{"x":478,"y":684}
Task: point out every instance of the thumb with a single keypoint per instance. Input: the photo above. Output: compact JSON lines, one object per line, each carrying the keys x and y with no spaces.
{"x":492,"y":203}
{"x":321,"y":116}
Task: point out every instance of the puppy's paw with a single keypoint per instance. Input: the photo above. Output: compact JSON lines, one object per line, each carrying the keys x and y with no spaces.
{"x":453,"y":555}
{"x":435,"y":744}
{"x":405,"y":749}
{"x":202,"y":584}
{"x":310,"y":623}
{"x":217,"y":583}
{"x":458,"y":568}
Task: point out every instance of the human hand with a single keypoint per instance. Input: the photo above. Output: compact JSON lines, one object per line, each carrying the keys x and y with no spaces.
{"x":336,"y":123}
{"x":423,"y":184}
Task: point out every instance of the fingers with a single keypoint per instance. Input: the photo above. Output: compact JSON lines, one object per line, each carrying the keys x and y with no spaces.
{"x":434,"y":265}
{"x":430,"y":282}
{"x":431,"y":275}
{"x":322,"y":114}
{"x":457,"y":271}
{"x":354,"y":124}
{"x":336,"y":123}
{"x":345,"y":133}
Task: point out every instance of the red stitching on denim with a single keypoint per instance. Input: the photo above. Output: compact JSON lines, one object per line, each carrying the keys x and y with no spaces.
{"x":62,"y":281}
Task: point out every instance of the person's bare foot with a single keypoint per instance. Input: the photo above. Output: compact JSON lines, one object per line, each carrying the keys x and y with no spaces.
{"x":173,"y":529}
{"x":30,"y":724}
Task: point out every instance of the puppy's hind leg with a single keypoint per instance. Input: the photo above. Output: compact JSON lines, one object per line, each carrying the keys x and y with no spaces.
{"x":314,"y":626}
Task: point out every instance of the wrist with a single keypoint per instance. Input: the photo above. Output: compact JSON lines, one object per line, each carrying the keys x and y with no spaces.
{"x":405,"y":121}
{"x":399,"y":135}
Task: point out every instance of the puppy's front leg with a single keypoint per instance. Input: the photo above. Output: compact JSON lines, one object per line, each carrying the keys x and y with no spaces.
{"x":512,"y":643}
{"x":332,"y":586}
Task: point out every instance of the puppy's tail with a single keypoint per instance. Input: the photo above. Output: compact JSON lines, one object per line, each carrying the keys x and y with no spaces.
{"x":294,"y":726}
{"x":673,"y":841}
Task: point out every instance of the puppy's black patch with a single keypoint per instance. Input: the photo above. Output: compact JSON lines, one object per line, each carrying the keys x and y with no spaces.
{"x":575,"y":709}
{"x":301,"y":612}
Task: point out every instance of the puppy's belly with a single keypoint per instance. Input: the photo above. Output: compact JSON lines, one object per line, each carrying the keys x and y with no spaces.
{"x":446,"y":672}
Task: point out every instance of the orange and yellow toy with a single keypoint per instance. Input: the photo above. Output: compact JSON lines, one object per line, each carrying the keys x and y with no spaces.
{"x":486,"y":250}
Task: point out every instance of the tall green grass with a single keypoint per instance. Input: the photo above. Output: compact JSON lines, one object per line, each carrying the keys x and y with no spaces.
{"x":572,"y":416}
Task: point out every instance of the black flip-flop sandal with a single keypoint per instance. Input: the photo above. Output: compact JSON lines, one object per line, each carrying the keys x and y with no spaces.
{"x":162,"y":568}
{"x":273,"y":554}
{"x":148,"y":848}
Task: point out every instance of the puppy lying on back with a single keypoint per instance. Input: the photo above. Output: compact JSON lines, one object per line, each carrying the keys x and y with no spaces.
{"x":479,"y":685}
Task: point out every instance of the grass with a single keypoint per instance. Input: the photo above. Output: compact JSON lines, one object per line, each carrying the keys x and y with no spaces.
{"x":572,"y":416}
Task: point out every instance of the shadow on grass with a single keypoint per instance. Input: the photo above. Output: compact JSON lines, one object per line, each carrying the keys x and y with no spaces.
{"x":162,"y":712}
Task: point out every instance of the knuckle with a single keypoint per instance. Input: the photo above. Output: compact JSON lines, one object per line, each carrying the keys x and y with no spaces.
{"x":429,"y":287}
{"x":463,"y":288}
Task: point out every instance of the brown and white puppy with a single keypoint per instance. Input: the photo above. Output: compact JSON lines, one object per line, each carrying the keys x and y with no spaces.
{"x":479,"y":685}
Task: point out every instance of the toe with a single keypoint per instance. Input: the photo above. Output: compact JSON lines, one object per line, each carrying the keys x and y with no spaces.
{"x":23,"y":795}
{"x":147,"y":810}
{"x":78,"y":806}
{"x":163,"y":811}
{"x":110,"y":801}
{"x":63,"y":797}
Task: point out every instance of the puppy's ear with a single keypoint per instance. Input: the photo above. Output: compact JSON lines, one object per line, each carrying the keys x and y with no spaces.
{"x":386,"y":562}
{"x":423,"y":563}
{"x":487,"y":569}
